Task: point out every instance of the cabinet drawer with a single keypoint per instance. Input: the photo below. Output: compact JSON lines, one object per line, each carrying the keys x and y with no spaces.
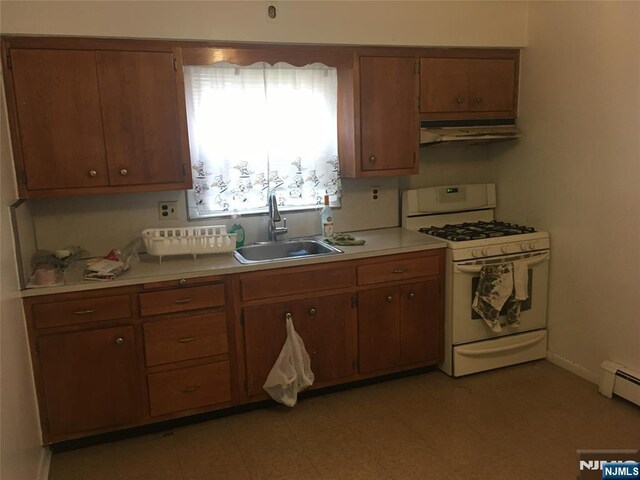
{"x":87,"y":310}
{"x":183,"y":338}
{"x":295,"y":281}
{"x":181,"y":299}
{"x":189,"y":388}
{"x":398,"y":269}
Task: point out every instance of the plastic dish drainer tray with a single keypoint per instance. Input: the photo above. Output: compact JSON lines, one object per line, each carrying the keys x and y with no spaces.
{"x":188,"y":241}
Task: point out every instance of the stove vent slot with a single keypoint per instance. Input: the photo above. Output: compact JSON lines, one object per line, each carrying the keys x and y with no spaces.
{"x":620,"y":380}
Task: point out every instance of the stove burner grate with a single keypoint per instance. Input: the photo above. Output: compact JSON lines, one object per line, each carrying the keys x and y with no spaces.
{"x":476,"y":230}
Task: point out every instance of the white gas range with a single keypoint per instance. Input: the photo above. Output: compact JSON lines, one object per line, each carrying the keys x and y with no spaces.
{"x":463,"y":215}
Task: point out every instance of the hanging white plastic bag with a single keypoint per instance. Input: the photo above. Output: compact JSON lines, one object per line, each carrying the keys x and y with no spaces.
{"x":292,"y":371}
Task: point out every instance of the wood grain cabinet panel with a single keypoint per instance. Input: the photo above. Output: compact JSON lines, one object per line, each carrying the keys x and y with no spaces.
{"x":89,"y":379}
{"x":402,"y":268}
{"x":61,"y":140}
{"x":420,"y":323}
{"x":481,"y":85}
{"x":378,"y":329}
{"x":181,"y":299}
{"x":182,"y":338}
{"x":189,"y":388}
{"x":86,"y":310}
{"x":325,"y":324}
{"x":389,"y":121}
{"x":98,"y":119}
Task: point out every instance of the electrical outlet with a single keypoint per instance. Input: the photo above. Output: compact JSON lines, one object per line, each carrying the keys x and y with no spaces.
{"x":168,"y":210}
{"x":375,"y":193}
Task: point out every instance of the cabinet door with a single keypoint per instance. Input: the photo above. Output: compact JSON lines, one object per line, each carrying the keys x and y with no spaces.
{"x":141,"y":117}
{"x":444,"y":84}
{"x":389,"y":114}
{"x":379,"y":328}
{"x":492,"y":85}
{"x":325,"y":324}
{"x":59,"y":123}
{"x":420,"y":332}
{"x":89,"y":379}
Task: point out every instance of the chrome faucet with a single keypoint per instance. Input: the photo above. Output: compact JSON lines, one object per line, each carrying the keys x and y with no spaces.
{"x":274,"y":217}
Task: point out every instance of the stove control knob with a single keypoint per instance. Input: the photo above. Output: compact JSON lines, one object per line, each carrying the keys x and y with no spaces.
{"x":485,"y":252}
{"x":523,"y":247}
{"x":532,"y":245}
{"x":476,"y":253}
{"x":504,"y":249}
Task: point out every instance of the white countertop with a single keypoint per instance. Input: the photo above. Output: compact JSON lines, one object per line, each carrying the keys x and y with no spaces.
{"x":385,"y":241}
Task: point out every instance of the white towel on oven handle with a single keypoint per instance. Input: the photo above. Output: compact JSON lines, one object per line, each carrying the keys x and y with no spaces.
{"x":521,"y":279}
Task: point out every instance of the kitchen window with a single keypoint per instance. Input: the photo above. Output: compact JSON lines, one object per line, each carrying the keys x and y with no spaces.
{"x":259,"y":129}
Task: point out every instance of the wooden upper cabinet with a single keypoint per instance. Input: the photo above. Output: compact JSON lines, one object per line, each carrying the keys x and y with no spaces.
{"x":460,"y":87}
{"x":58,"y":112}
{"x":140,"y":117}
{"x":90,"y":116}
{"x":389,"y":122}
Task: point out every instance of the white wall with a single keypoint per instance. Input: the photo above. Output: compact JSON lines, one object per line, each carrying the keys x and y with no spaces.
{"x":453,"y":23}
{"x":576,"y":173}
{"x":22,"y":456}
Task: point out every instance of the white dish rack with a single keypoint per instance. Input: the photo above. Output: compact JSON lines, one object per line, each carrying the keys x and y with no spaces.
{"x":188,"y":240}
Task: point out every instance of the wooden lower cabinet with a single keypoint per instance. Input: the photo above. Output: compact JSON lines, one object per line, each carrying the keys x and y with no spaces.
{"x":89,"y":379}
{"x":326,"y":325}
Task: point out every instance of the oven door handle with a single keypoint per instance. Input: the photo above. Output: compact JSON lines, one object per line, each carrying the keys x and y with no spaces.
{"x":507,"y":348}
{"x":476,"y":268}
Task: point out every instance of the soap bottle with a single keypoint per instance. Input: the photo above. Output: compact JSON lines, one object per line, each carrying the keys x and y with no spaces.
{"x":238,"y":230}
{"x":327,"y":218}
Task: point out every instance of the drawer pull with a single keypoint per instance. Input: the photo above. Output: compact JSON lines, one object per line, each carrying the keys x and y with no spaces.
{"x":389,"y":299}
{"x":119,"y":341}
{"x":186,"y":339}
{"x":183,"y":281}
{"x":398,"y":270}
{"x":412,"y":295}
{"x":182,"y":300}
{"x":83,"y":312}
{"x":191,"y":388}
{"x":312,"y":311}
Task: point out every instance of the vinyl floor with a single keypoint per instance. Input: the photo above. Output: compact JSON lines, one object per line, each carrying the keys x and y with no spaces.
{"x":521,"y":422}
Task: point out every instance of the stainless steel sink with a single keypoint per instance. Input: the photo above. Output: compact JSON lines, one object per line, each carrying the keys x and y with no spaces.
{"x":286,"y":250}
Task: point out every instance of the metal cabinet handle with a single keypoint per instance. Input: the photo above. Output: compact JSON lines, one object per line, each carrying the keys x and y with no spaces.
{"x":458,"y":100}
{"x":83,"y":312}
{"x":478,"y":100}
{"x":399,"y":270}
{"x":191,"y":388}
{"x":124,"y":172}
{"x":119,"y":341}
{"x":412,"y":295}
{"x":312,"y":311}
{"x":183,"y":281}
{"x":93,"y":173}
{"x":372,"y":159}
{"x":186,"y":339}
{"x":287,"y":316}
{"x":182,"y":300}
{"x":389,"y":299}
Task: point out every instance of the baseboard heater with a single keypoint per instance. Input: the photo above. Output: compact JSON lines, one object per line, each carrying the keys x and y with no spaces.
{"x":620,"y":380}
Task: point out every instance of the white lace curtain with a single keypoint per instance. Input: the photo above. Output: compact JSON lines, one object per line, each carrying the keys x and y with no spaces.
{"x":260,"y":129}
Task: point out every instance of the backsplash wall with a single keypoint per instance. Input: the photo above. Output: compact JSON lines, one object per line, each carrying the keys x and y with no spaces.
{"x":100,"y":223}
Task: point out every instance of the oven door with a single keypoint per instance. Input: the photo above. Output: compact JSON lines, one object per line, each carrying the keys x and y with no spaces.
{"x":468,"y":326}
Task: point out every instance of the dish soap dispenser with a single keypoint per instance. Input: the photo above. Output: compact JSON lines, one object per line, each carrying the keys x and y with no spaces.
{"x":327,"y":218}
{"x":238,"y":230}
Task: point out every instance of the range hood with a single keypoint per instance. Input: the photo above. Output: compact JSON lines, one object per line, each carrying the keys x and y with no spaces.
{"x":474,"y":135}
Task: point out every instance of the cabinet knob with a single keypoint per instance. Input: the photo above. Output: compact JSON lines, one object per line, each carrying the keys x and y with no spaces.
{"x":389,"y":299}
{"x":458,"y":100}
{"x":312,"y":311}
{"x":93,"y":173}
{"x":183,"y":281}
{"x":119,"y":341}
{"x":372,"y":159}
{"x":478,"y":100}
{"x":412,"y":295}
{"x":124,"y":172}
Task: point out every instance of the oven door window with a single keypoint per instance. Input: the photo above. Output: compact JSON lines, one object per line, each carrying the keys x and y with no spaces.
{"x":524,"y":306}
